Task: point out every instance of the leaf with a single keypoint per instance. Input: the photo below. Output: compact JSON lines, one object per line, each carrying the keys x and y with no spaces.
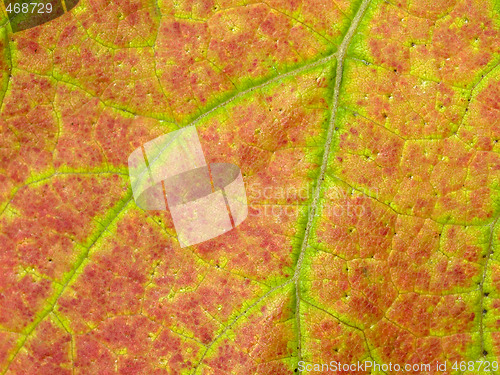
{"x":367,"y":134}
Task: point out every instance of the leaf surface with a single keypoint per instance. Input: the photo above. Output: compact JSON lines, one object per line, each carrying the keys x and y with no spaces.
{"x":367,"y":135}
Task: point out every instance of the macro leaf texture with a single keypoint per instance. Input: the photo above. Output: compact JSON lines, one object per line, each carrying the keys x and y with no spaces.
{"x":367,"y":135}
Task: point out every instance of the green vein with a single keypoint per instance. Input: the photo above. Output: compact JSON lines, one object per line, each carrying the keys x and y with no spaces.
{"x":266,"y":82}
{"x":8,"y":58}
{"x":55,"y":174}
{"x":341,"y":54}
{"x":235,"y":320}
{"x":52,"y":301}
